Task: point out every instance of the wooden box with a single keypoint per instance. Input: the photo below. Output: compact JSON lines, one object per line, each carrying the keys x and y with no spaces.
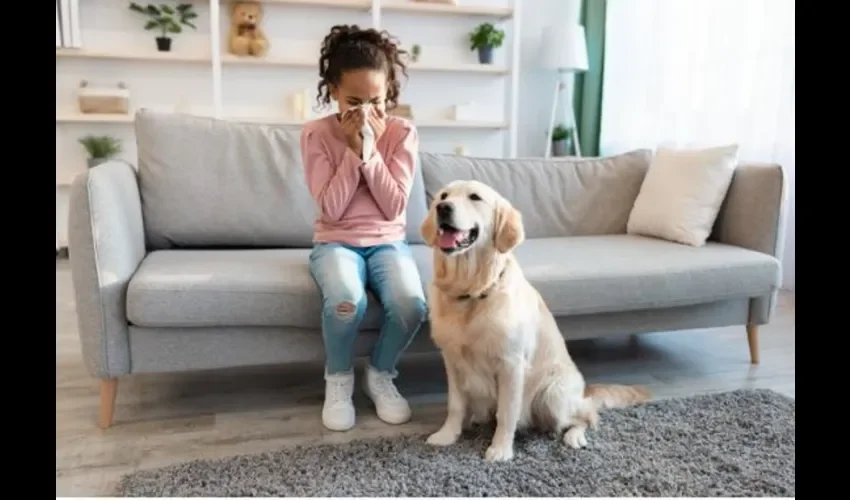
{"x":103,"y":100}
{"x":402,"y":110}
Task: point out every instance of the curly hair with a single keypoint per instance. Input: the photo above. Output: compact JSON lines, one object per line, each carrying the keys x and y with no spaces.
{"x":348,"y":48}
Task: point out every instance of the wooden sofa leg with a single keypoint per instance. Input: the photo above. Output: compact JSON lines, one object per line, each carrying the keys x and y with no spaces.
{"x":753,"y":341}
{"x":108,"y":391}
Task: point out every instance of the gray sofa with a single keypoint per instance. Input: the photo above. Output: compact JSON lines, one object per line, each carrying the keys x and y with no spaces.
{"x":197,"y":258}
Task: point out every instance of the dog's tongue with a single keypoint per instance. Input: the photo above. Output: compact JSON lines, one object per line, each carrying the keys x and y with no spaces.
{"x":450,"y":238}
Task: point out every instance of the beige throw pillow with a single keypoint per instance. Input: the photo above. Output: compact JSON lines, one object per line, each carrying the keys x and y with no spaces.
{"x":681,"y":194}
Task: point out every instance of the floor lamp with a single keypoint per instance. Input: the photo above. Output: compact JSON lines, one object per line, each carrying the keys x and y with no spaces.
{"x":564,"y":49}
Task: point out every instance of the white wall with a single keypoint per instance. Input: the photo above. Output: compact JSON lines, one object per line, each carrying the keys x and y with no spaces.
{"x":264,"y":91}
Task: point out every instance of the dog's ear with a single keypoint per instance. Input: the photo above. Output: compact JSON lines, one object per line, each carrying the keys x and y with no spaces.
{"x":508,"y":231}
{"x":428,"y":229}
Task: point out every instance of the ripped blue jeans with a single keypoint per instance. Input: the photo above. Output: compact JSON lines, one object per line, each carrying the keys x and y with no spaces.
{"x":343,"y":274}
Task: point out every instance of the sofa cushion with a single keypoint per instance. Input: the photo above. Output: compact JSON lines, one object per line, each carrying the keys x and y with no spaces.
{"x":255,"y":287}
{"x":580,"y":275}
{"x":558,"y":196}
{"x":208,"y":182}
{"x":215,"y":183}
{"x":597,"y":274}
{"x":682,"y":193}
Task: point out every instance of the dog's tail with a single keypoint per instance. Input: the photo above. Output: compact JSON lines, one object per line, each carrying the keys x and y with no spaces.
{"x":604,"y":396}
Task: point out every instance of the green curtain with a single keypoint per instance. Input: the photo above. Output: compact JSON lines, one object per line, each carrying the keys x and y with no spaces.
{"x":587,"y":98}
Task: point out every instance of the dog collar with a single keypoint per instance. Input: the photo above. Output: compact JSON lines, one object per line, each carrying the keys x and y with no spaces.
{"x":486,"y":293}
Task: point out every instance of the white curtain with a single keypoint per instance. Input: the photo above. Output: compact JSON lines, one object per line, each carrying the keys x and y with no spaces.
{"x":695,"y":73}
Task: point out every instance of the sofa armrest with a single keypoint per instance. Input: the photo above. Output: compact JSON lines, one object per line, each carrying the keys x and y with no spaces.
{"x":753,"y":213}
{"x":753,"y":217}
{"x":106,"y":243}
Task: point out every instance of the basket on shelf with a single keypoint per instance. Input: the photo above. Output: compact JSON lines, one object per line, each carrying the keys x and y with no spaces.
{"x":103,"y":100}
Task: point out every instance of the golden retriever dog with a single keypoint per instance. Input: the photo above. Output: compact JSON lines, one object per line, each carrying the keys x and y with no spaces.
{"x":503,"y":352}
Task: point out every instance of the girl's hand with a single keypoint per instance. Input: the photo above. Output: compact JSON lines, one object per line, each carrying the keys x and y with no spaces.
{"x":378,"y":121}
{"x":351,"y":123}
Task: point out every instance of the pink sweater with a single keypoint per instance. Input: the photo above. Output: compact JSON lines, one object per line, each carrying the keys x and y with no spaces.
{"x":359,"y":203}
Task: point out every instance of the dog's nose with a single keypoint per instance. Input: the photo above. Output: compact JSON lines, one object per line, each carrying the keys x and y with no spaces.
{"x":444,"y":209}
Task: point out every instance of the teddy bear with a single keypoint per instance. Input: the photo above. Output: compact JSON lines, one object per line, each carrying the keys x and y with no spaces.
{"x":246,"y":37}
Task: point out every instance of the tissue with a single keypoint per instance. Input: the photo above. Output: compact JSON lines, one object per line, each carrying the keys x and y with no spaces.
{"x":367,"y":132}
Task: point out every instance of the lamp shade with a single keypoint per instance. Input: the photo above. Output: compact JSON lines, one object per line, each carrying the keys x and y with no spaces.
{"x":564,"y":48}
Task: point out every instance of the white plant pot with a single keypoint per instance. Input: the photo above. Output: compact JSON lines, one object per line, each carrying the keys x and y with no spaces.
{"x":93,"y":162}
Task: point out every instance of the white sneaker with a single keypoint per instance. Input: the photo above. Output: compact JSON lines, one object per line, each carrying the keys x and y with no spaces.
{"x":338,"y":410}
{"x":392,"y":408}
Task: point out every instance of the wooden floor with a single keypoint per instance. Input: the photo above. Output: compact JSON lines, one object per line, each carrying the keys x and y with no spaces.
{"x":165,"y":419}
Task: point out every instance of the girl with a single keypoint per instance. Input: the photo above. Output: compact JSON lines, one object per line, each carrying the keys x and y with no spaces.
{"x":359,"y":232}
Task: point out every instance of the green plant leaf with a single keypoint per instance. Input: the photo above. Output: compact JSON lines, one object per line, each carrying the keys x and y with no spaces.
{"x":486,"y":35}
{"x":165,"y":18}
{"x":101,"y":146}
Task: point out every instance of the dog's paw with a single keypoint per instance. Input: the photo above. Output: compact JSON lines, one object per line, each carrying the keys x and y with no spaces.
{"x":497,"y":453}
{"x":575,"y":438}
{"x":443,"y":437}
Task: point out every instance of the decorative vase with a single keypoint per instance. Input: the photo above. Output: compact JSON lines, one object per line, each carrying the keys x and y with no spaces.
{"x":485,"y":55}
{"x":93,"y":162}
{"x":163,"y":44}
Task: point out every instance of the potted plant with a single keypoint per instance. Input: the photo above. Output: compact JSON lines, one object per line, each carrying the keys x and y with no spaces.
{"x":167,"y":20}
{"x":561,"y":141}
{"x":486,"y":37}
{"x":100,"y":148}
{"x":415,"y":51}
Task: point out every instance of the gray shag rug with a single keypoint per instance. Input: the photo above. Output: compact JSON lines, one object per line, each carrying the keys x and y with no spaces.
{"x":738,"y":443}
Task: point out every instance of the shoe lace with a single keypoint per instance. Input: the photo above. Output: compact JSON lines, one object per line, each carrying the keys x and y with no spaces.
{"x":385,"y":387}
{"x":337,"y":390}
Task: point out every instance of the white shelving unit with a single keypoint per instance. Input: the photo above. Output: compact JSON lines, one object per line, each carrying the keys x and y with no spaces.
{"x":228,"y":59}
{"x":212,"y":60}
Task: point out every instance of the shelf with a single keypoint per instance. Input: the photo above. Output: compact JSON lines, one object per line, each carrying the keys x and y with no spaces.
{"x":94,"y":118}
{"x":65,"y":181}
{"x":492,"y":69}
{"x":269,"y":61}
{"x":132,"y":56}
{"x":230,"y":59}
{"x":447,"y":9}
